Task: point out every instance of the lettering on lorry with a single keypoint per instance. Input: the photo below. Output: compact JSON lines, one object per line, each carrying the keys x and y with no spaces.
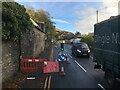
{"x":114,"y":38}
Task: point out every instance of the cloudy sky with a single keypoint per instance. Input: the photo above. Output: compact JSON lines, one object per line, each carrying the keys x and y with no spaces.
{"x":78,"y":15}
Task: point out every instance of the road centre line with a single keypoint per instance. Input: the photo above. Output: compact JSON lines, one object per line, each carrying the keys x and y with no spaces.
{"x":70,"y":55}
{"x":49,"y":82}
{"x":56,"y":47}
{"x":80,"y":66}
{"x":91,"y":57}
{"x":45,"y":85}
{"x":101,"y":86}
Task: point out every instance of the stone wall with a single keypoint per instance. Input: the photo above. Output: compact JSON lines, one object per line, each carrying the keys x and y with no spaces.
{"x":32,"y":44}
{"x":39,"y":43}
{"x":27,"y":44}
{"x":10,"y":59}
{"x":0,"y":62}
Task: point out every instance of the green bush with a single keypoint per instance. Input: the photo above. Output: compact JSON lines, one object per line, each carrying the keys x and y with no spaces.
{"x":15,"y":21}
{"x":89,"y":41}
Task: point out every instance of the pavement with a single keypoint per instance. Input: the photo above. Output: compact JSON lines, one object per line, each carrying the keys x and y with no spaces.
{"x":36,"y":79}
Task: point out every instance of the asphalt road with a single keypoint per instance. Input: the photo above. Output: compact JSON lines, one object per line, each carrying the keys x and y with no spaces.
{"x":80,"y":73}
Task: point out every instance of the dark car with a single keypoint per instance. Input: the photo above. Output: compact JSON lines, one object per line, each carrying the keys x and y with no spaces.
{"x":80,"y":49}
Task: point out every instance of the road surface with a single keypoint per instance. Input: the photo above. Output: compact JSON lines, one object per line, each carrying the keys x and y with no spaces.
{"x":80,"y":73}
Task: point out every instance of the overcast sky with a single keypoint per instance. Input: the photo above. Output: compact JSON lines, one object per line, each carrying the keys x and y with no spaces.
{"x":75,"y":16}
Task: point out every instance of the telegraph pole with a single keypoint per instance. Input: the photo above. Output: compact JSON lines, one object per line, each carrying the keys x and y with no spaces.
{"x":97,"y":15}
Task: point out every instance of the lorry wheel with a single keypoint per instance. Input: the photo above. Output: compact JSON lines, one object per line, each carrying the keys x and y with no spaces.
{"x":110,"y":78}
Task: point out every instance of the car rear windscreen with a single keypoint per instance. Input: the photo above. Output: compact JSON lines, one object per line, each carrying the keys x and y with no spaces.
{"x":82,"y":45}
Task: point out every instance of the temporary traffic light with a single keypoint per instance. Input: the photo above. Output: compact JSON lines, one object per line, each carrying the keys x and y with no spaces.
{"x":62,"y":46}
{"x":62,"y":49}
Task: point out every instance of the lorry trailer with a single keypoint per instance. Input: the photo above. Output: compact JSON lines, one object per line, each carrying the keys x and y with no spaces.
{"x":107,"y":48}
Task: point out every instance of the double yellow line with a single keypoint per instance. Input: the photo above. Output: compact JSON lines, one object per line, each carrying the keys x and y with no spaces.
{"x":47,"y":83}
{"x":48,"y":78}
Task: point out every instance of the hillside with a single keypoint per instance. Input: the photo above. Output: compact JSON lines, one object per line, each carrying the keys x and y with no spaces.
{"x":61,"y":34}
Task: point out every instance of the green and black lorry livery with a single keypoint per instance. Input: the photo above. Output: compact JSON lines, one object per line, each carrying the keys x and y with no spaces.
{"x":107,"y":48}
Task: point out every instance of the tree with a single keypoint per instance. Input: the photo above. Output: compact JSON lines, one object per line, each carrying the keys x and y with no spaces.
{"x":78,"y":34}
{"x":15,"y":21}
{"x":89,"y":40}
{"x":91,"y":34}
{"x":43,"y":16}
{"x":7,"y":0}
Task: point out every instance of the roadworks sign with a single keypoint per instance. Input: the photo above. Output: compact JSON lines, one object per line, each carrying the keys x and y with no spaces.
{"x":62,"y":57}
{"x":51,"y":67}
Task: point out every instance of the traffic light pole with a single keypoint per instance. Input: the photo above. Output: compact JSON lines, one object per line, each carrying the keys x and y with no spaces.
{"x":62,"y":46}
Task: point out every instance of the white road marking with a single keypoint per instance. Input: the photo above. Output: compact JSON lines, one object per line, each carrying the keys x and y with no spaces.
{"x":80,"y":66}
{"x":45,"y":85}
{"x":101,"y":86}
{"x":49,"y":82}
{"x":70,"y":55}
{"x":56,"y":47}
{"x":91,"y":57}
{"x":30,"y":78}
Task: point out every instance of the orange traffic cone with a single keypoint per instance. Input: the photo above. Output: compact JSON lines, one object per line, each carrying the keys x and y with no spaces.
{"x":67,"y":59}
{"x":62,"y":70}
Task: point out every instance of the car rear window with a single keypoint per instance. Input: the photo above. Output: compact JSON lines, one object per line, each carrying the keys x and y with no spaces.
{"x":82,"y":45}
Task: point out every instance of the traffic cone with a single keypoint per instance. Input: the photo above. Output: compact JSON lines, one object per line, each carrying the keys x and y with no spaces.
{"x":67,"y":59}
{"x":56,"y":60}
{"x":62,"y":73}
